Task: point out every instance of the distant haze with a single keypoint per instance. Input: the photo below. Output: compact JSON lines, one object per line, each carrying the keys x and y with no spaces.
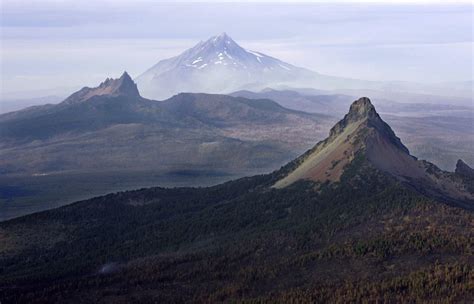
{"x":64,"y":45}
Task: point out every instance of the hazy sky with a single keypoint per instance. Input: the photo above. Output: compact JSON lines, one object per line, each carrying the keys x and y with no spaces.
{"x":50,"y":44}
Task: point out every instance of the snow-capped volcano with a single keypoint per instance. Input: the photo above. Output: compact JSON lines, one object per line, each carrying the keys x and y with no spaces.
{"x":222,"y":50}
{"x":218,"y":65}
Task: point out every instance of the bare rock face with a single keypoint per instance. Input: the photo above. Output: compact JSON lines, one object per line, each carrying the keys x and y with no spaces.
{"x":123,"y":86}
{"x":363,"y":133}
{"x":464,"y":170}
{"x":360,"y":131}
{"x":362,"y":109}
{"x":363,"y":112}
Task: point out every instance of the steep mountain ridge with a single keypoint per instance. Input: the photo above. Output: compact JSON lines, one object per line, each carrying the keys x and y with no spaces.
{"x":434,"y":130}
{"x":114,"y":101}
{"x":101,"y":135}
{"x":222,"y":110}
{"x":367,"y":234}
{"x":123,"y":86}
{"x":347,"y":138}
{"x":464,"y":170}
{"x":362,"y":133}
{"x":118,"y":102}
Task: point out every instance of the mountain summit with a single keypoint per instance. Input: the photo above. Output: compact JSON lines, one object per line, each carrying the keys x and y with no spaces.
{"x":221,"y":65}
{"x":360,"y":131}
{"x":217,"y":65}
{"x":362,"y":135}
{"x":361,"y":109}
{"x":464,"y":170}
{"x":123,"y":86}
{"x":222,"y":50}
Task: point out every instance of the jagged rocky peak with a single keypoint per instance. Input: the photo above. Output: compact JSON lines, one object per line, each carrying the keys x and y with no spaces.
{"x":463,"y":169}
{"x":123,"y":86}
{"x":361,"y":131}
{"x":362,"y":109}
{"x":120,"y":86}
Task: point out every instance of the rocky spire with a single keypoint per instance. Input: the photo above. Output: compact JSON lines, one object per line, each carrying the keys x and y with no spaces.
{"x":126,"y":86}
{"x":361,"y":132}
{"x":361,"y":109}
{"x":463,"y":169}
{"x":123,"y":86}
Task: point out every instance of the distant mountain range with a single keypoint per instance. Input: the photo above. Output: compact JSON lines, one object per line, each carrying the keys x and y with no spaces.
{"x":217,"y":65}
{"x":311,"y":102}
{"x":111,"y":126}
{"x":112,"y":134}
{"x":335,"y":103}
{"x":434,"y":128}
{"x":354,"y":219}
{"x":220,"y":65}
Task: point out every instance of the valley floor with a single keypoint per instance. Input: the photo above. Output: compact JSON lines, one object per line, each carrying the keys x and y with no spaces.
{"x":26,"y":194}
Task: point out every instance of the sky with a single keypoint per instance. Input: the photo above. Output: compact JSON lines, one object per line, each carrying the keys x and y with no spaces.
{"x":56,"y":46}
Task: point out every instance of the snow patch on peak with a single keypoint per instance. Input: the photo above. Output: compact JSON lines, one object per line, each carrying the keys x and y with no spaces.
{"x":227,"y":54}
{"x":218,"y":57}
{"x":285,"y":67}
{"x":197,"y":60}
{"x":258,"y":55}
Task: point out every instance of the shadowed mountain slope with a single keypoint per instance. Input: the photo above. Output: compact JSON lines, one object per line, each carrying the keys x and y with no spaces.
{"x":362,"y":133}
{"x":100,"y":119}
{"x":362,"y":232}
{"x":433,"y":128}
{"x":99,"y":137}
